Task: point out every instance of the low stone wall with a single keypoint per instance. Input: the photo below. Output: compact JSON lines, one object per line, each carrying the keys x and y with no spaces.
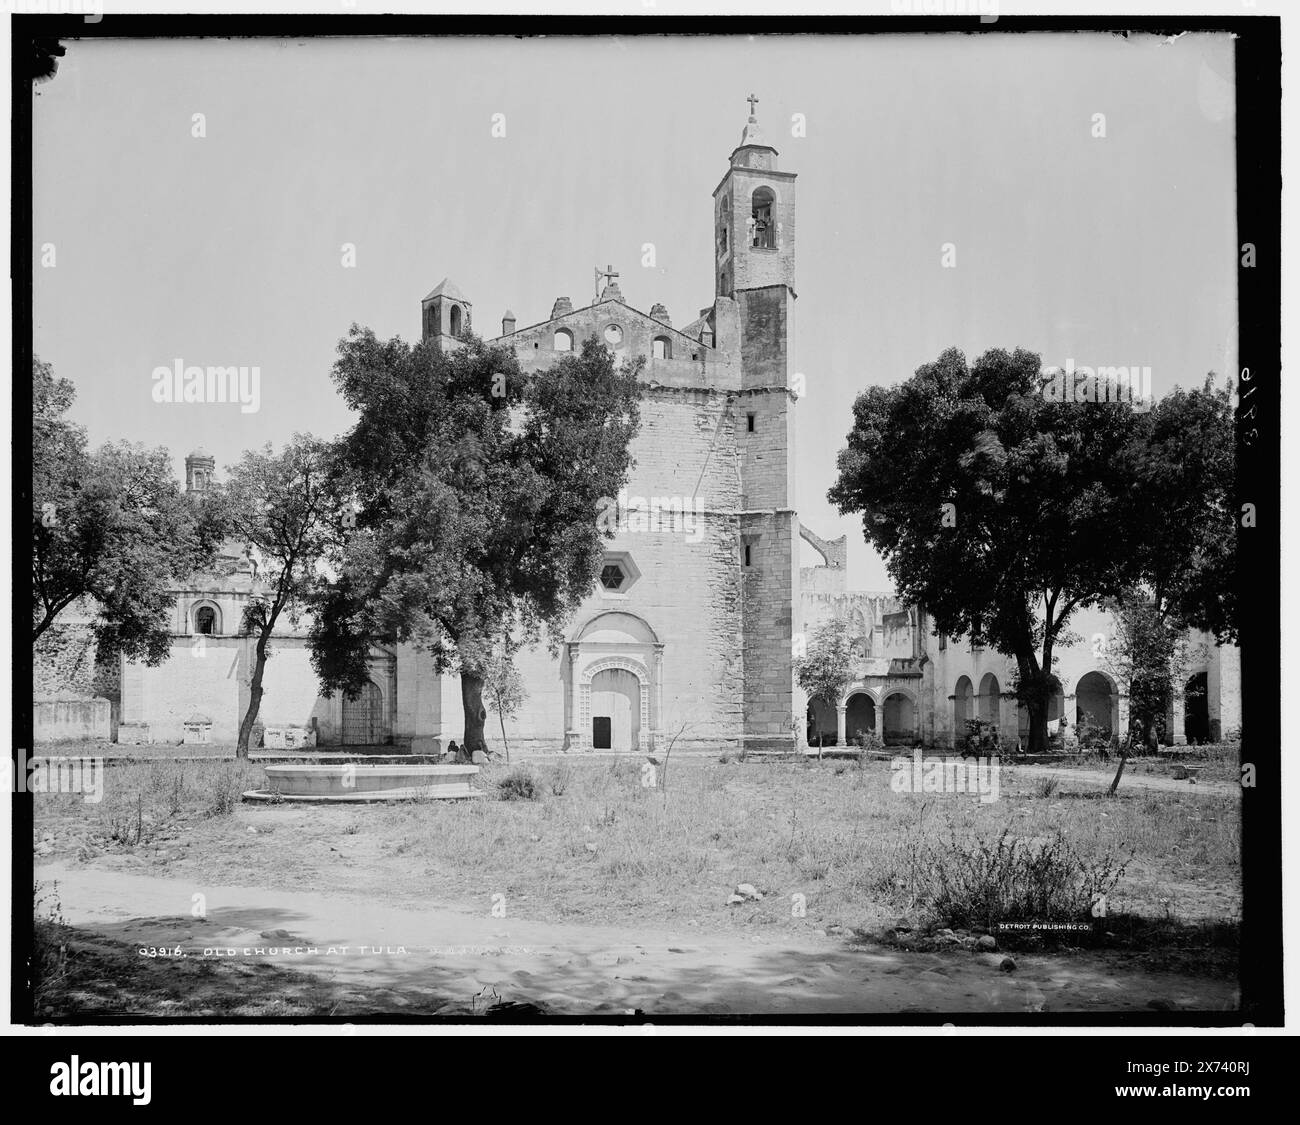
{"x":59,"y":720}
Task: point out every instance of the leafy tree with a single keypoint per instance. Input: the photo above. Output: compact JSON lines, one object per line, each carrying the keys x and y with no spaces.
{"x":826,"y":668}
{"x":283,"y":506}
{"x":504,"y":688}
{"x":476,"y":489}
{"x":999,"y":511}
{"x":1002,"y":512}
{"x":1182,"y":469}
{"x":1147,"y":652}
{"x":112,"y":527}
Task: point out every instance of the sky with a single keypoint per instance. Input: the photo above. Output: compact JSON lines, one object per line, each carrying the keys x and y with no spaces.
{"x":227,"y":249}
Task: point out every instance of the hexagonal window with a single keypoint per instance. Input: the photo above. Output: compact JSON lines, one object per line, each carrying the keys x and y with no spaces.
{"x":618,"y":574}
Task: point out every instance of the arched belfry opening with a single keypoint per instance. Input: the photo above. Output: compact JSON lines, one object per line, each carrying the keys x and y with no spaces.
{"x":763,"y":219}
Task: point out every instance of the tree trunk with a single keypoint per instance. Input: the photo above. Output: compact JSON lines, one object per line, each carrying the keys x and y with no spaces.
{"x":1123,"y":759}
{"x":254,"y":696}
{"x":504,"y":741}
{"x":471,"y":697}
{"x":1037,"y":726}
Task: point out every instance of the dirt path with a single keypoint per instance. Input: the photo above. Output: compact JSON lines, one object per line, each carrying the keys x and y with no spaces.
{"x":443,"y":951}
{"x":1131,"y":779}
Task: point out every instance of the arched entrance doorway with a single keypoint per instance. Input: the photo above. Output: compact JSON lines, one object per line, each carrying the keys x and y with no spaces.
{"x":823,"y":729}
{"x":365,"y":721}
{"x":900,"y":720}
{"x":1096,"y":704}
{"x":615,"y":710}
{"x":1196,"y":704}
{"x":963,"y":709}
{"x":859,"y":717}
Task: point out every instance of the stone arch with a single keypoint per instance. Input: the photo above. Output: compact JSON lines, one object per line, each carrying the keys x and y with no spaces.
{"x":365,"y":717}
{"x":639,"y":722}
{"x":1055,"y":712}
{"x":899,"y":718}
{"x":456,"y":320}
{"x":614,"y":641}
{"x":990,"y":699}
{"x":963,"y":706}
{"x":763,"y":218}
{"x":629,"y":626}
{"x":859,"y":716}
{"x":562,"y":341}
{"x":662,"y":347}
{"x":1096,"y":701}
{"x":205,"y":618}
{"x":823,"y":724}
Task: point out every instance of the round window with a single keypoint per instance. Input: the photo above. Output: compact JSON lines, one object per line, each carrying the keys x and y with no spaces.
{"x":613,"y":335}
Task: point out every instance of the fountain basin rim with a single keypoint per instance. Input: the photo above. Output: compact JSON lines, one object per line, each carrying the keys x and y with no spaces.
{"x":329,"y":768}
{"x":407,"y":793}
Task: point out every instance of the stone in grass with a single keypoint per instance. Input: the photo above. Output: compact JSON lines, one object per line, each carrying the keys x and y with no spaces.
{"x":734,"y":900}
{"x":1007,"y":965}
{"x":749,"y":891}
{"x":987,"y":943}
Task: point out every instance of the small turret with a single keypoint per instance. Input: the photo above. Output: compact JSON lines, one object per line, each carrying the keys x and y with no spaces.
{"x":200,"y":468}
{"x":447,"y":315}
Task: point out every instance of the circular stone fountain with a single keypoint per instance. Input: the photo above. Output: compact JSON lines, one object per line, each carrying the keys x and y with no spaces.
{"x":354,"y":781}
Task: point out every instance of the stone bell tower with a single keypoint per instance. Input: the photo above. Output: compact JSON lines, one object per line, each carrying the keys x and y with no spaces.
{"x":754,"y":242}
{"x":754,"y":217}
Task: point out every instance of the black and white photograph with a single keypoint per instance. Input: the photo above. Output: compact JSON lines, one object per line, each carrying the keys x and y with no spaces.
{"x":765,"y":525}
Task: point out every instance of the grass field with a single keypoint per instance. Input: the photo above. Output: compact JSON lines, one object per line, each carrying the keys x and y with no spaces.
{"x":594,"y":843}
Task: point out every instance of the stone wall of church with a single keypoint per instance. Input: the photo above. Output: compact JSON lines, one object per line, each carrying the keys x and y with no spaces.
{"x":771,"y":619}
{"x":64,"y":662}
{"x":70,"y":700}
{"x":686,"y":585}
{"x":210,"y":677}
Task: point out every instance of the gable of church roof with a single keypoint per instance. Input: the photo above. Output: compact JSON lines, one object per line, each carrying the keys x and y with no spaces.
{"x":661,"y":328}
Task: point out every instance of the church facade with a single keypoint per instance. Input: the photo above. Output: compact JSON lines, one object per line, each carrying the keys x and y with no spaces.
{"x":691,"y":632}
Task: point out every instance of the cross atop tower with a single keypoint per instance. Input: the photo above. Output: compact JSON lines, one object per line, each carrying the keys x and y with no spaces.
{"x":611,"y":291}
{"x":753,"y":101}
